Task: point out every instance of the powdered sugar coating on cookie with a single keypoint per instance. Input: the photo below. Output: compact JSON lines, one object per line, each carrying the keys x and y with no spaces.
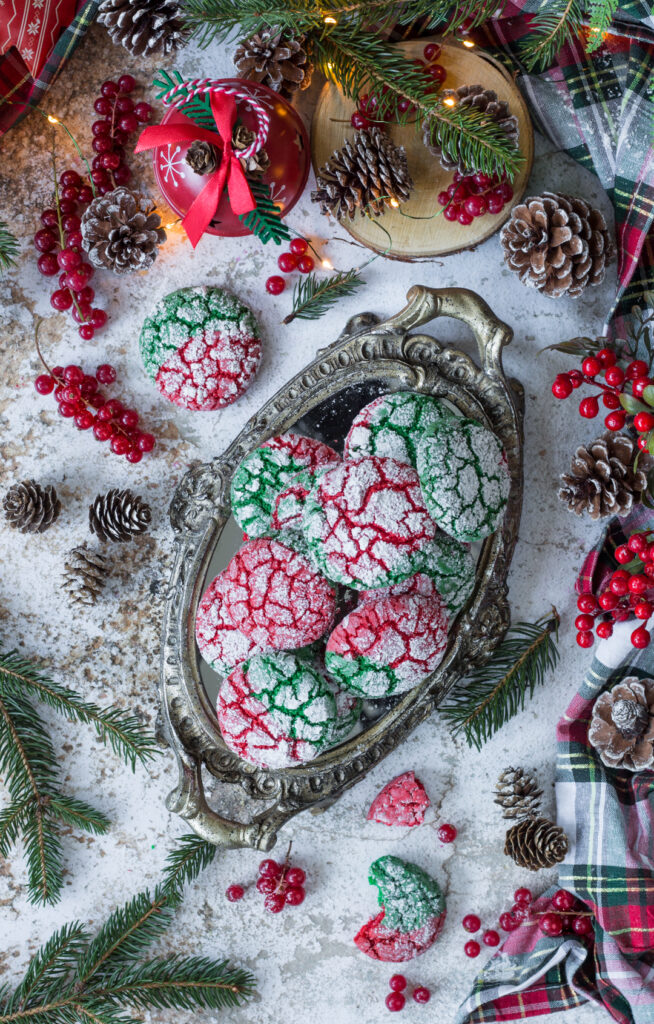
{"x":391,"y":426}
{"x":221,"y":643}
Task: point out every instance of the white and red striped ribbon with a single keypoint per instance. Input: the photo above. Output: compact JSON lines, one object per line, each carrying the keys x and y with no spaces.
{"x":196,"y":86}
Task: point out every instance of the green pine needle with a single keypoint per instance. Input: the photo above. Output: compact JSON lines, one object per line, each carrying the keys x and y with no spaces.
{"x":185,"y":861}
{"x":556,"y":23}
{"x":125,"y":935}
{"x":313,"y":296}
{"x":179,"y":983}
{"x":8,"y":247}
{"x":601,"y":15}
{"x":499,"y":689}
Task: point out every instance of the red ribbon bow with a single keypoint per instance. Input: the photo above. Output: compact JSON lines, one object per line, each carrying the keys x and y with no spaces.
{"x":230,"y":172}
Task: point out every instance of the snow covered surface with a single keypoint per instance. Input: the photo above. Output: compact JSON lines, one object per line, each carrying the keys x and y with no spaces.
{"x":306,"y":964}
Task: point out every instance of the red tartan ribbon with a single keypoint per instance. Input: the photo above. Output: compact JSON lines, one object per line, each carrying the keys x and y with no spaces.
{"x":230,"y":173}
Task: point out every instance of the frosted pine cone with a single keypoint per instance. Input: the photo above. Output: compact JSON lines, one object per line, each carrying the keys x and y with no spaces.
{"x":85,"y":575}
{"x":622,"y":725}
{"x":518,"y":793}
{"x":276,"y":60}
{"x":536,"y":843}
{"x":477,"y":98}
{"x":121,"y":231}
{"x":143,"y":27}
{"x":602,"y":480}
{"x":31,"y":508}
{"x":119,"y":515}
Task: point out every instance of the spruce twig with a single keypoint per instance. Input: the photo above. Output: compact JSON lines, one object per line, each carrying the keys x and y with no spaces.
{"x":8,"y":247}
{"x":185,"y":862}
{"x":557,"y":22}
{"x":499,"y":689}
{"x":312,"y":296}
{"x":28,"y":764}
{"x":601,"y":15}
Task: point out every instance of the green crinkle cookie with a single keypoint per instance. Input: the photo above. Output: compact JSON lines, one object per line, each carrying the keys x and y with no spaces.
{"x":392,"y":425}
{"x":406,"y":892}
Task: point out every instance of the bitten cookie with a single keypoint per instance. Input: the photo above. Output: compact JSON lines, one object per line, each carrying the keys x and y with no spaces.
{"x":464,"y":478}
{"x":269,"y":470}
{"x":402,"y":801}
{"x":391,"y":426}
{"x":365,"y":522}
{"x":276,"y":711}
{"x":412,"y":916}
{"x":275,"y":596}
{"x":201,"y":347}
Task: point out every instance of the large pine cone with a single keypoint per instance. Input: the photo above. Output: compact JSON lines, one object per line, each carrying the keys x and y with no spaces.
{"x":518,"y":793}
{"x":85,"y":575}
{"x":557,"y":244}
{"x":276,"y":60}
{"x":484,"y":100}
{"x":622,"y":725}
{"x":31,"y":508}
{"x":368,"y":173}
{"x":602,"y":480}
{"x":119,"y":515}
{"x":536,"y":843}
{"x":121,"y":232}
{"x":144,"y":27}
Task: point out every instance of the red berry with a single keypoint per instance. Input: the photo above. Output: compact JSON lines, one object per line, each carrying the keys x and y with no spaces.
{"x":84,"y":420}
{"x":49,"y":218}
{"x":471,"y":923}
{"x":643,"y":610}
{"x":129,"y":419}
{"x":295,"y":876}
{"x":639,"y":386}
{"x":437,"y":72}
{"x":472,"y":948}
{"x":99,"y":176}
{"x":491,"y":938}
{"x":585,"y":603}
{"x":359,"y":121}
{"x":71,"y":222}
{"x":432,"y":51}
{"x":550,"y":924}
{"x":615,"y":420}
{"x":397,"y":983}
{"x":638,"y":368}
{"x":102,"y":431}
{"x":85,"y":194}
{"x":562,"y":386}
{"x":102,"y":106}
{"x":421,"y":994}
{"x":298,"y":246}
{"x":67,"y":410}
{"x":109,"y":88}
{"x":585,"y":639}
{"x":524,"y":895}
{"x":124,"y":105}
{"x":44,"y":240}
{"x":234,"y":893}
{"x":614,"y":376}
{"x":475,"y":206}
{"x":119,"y":444}
{"x":395,"y":1001}
{"x":98,"y":318}
{"x":146,"y":442}
{"x":583,"y":622}
{"x":520,"y":911}
{"x":86,"y":331}
{"x":122,"y":174}
{"x":508,"y":923}
{"x":105,"y":373}
{"x":495,"y":205}
{"x":134,"y":455}
{"x":442,"y":199}
{"x":61,"y":299}
{"x":101,"y":127}
{"x":582,"y":925}
{"x":270,"y":868}
{"x":451,"y":212}
{"x":70,"y":393}
{"x":57,"y":372}
{"x":66,"y":206}
{"x":505,"y":191}
{"x":644,"y":422}
{"x":607,"y":357}
{"x":464,"y":217}
{"x":266,"y":884}
{"x":274,"y":903}
{"x":576,"y":378}
{"x":638,"y":583}
{"x":114,"y":407}
{"x":305,"y":264}
{"x":111,"y":161}
{"x":589,"y":407}
{"x":640,"y":638}
{"x":623,"y":555}
{"x":447,"y":833}
{"x":604,"y":630}
{"x":610,"y":400}
{"x":69,"y":259}
{"x":44,"y":384}
{"x":275,"y":285}
{"x":563,"y":900}
{"x":129,"y":123}
{"x":591,"y":366}
{"x":81,"y":313}
{"x":73,"y":374}
{"x":404,"y":105}
{"x":295,"y":895}
{"x":143,"y":112}
{"x":286,"y":262}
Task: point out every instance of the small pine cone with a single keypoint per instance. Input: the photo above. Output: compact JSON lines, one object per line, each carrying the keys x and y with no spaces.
{"x":85,"y":574}
{"x":31,"y":508}
{"x":202,"y":157}
{"x":144,"y":27}
{"x":536,"y":843}
{"x":557,"y":244}
{"x":119,"y":515}
{"x":622,"y":725}
{"x":259,"y":162}
{"x":369,"y":172}
{"x":477,"y":98}
{"x":276,"y":60}
{"x":602,"y":480}
{"x":121,"y":232}
{"x":518,"y":793}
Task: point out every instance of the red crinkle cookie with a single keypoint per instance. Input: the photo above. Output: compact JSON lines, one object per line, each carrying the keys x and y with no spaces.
{"x":402,"y":801}
{"x":276,"y":597}
{"x":221,"y":643}
{"x":420,"y":585}
{"x":366,"y":521}
{"x":394,"y":946}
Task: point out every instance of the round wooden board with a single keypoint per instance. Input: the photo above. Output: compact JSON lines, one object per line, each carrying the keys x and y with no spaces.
{"x":433,"y":236}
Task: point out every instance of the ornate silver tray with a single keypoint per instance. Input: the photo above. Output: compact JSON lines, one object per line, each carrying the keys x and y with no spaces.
{"x":369,"y":358}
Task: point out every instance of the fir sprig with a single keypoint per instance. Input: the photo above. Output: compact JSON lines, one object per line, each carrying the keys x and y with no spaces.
{"x":313,"y":296}
{"x":499,"y":689}
{"x":185,"y":861}
{"x":8,"y":247}
{"x":77,"y":978}
{"x":28,"y":764}
{"x":601,"y":14}
{"x":556,"y":23}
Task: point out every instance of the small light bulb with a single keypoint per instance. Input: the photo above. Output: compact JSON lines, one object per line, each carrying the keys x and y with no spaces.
{"x":329,"y":20}
{"x":449,"y":102}
{"x":394,"y":202}
{"x":327,"y":265}
{"x":53,"y":120}
{"x":469,"y":43}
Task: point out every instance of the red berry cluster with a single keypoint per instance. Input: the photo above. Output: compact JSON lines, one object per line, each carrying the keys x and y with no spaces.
{"x":296,"y":259}
{"x":79,"y":398}
{"x":367,"y":111}
{"x":472,"y":924}
{"x":474,"y":195}
{"x":612,"y":390}
{"x":629,"y":591}
{"x":281,"y":884}
{"x":396,"y":1000}
{"x":120,"y":117}
{"x":566,"y":914}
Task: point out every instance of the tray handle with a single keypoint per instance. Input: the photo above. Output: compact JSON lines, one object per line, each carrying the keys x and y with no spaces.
{"x":425,"y":304}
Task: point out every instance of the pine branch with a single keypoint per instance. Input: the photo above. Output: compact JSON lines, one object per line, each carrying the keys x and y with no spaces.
{"x":8,"y":247}
{"x":265,"y":220}
{"x":312,"y":296}
{"x":601,"y":15}
{"x":185,"y":861}
{"x":179,"y":983}
{"x":499,"y":689}
{"x":557,"y":23}
{"x":126,"y":933}
{"x":50,"y":966}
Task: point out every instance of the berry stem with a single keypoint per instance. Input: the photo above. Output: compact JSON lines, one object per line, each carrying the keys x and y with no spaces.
{"x":62,"y":240}
{"x":285,"y":867}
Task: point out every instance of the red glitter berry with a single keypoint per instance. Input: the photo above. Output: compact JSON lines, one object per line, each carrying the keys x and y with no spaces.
{"x":295,"y":895}
{"x":270,"y":868}
{"x":266,"y":884}
{"x":295,"y":876}
{"x":234,"y":893}
{"x":471,"y":923}
{"x":105,"y":373}
{"x":472,"y":948}
{"x":274,"y":903}
{"x":447,"y":833}
{"x":421,"y":994}
{"x":395,"y":1001}
{"x":524,"y":895}
{"x":508,"y":923}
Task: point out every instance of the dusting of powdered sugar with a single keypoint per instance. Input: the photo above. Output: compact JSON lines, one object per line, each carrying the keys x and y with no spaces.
{"x":391,"y":426}
{"x":222,"y":645}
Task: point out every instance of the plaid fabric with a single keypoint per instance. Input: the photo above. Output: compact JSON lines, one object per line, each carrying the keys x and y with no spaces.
{"x":18,"y":90}
{"x":609,"y":817}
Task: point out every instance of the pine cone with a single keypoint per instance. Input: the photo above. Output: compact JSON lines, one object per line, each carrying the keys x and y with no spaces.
{"x":202,"y":157}
{"x":31,"y":508}
{"x":121,"y":232}
{"x":478,"y":98}
{"x":144,"y":27}
{"x":557,"y":244}
{"x":369,"y":172}
{"x":622,"y":725}
{"x":276,"y":60}
{"x":259,"y":162}
{"x":85,"y":574}
{"x":518,"y":793}
{"x":536,"y":843}
{"x":119,"y":515}
{"x":602,"y":480}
